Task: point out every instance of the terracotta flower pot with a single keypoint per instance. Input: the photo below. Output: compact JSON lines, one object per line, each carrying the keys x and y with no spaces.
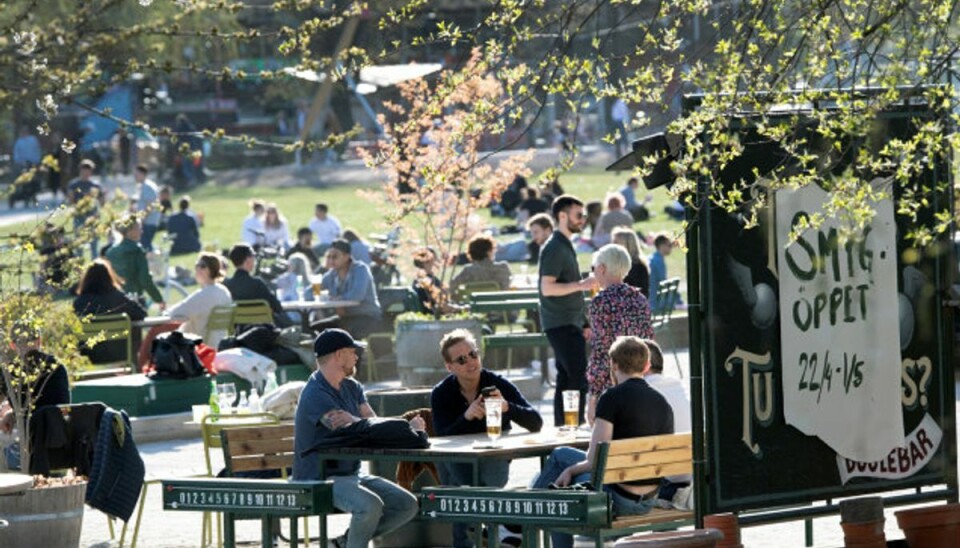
{"x":863,"y":535}
{"x":931,"y":527}
{"x":729,"y":525}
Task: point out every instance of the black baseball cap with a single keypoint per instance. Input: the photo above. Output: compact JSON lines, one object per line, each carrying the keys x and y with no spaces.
{"x":333,"y":339}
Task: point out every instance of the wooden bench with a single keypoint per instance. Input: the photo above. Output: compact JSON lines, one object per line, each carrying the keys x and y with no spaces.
{"x":587,"y":513}
{"x":248,"y":499}
{"x":257,"y":448}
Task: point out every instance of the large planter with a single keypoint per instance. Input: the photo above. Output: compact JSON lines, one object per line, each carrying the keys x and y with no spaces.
{"x":932,"y":526}
{"x":418,"y":349}
{"x":51,"y":516}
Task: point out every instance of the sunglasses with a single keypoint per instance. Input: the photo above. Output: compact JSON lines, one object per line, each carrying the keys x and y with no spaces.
{"x":462,"y":360}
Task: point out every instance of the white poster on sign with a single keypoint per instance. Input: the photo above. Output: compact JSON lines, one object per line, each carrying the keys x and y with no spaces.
{"x":839,"y":329}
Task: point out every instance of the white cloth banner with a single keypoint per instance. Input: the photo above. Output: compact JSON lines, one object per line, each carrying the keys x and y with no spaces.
{"x":839,"y":329}
{"x":902,"y":462}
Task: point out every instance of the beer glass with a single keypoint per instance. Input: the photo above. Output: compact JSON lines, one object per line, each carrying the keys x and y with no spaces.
{"x":315,"y":286}
{"x":571,"y":410}
{"x":493,"y":407}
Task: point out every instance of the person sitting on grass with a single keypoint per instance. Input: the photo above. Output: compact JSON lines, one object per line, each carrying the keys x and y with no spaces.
{"x":628,"y":410}
{"x":457,"y":403}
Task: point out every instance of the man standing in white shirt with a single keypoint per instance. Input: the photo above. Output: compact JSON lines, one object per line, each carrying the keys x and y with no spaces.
{"x":252,"y":231}
{"x":326,"y":228}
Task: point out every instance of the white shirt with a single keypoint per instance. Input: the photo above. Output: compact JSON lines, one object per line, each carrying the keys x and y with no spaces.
{"x":327,"y":230}
{"x":675,"y":393}
{"x":278,"y":236}
{"x":251,"y":226}
{"x":196,"y":308}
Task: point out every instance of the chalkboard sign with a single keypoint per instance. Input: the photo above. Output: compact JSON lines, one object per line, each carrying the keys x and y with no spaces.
{"x":827,"y":364}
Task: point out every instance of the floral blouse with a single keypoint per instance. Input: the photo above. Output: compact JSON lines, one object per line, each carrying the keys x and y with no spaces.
{"x":616,"y":311}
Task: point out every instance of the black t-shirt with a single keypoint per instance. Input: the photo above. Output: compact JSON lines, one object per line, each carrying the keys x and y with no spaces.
{"x":635,"y":409}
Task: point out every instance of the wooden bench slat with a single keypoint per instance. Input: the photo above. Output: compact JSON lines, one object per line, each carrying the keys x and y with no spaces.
{"x":654,"y":516}
{"x":644,"y":459}
{"x":237,"y":435}
{"x":647,"y":472}
{"x":651,"y":443}
{"x":261,"y":462}
{"x":259,"y":447}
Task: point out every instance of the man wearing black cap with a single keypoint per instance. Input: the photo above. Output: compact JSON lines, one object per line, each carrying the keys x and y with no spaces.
{"x":350,"y":280}
{"x":86,"y":196}
{"x":332,"y":399}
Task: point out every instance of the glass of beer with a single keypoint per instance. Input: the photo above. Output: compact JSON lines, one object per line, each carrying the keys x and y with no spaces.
{"x":493,"y":407}
{"x":571,"y":410}
{"x":315,"y":286}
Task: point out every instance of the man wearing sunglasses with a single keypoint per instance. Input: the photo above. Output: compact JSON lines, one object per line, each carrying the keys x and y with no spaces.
{"x":562,"y":312}
{"x":457,"y":403}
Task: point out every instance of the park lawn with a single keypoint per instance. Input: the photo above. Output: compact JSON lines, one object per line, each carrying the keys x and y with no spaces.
{"x":224,"y":208}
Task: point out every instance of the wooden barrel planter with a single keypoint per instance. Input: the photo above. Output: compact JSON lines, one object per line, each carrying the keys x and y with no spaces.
{"x":52,"y":516}
{"x":418,"y":349}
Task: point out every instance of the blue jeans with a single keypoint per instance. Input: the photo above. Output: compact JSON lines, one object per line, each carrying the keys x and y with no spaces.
{"x":377,"y":506}
{"x":79,"y":223}
{"x":562,"y":458}
{"x":493,"y":473}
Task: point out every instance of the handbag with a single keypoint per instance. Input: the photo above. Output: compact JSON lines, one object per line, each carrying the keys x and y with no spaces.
{"x":174,"y":355}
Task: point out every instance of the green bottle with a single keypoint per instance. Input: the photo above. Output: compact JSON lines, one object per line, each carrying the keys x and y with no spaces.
{"x":214,"y":398}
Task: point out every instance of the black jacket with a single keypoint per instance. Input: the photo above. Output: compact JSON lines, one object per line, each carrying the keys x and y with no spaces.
{"x":245,"y":287}
{"x":61,"y":440}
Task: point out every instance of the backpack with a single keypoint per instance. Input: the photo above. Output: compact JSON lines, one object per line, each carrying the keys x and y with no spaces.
{"x":174,"y":355}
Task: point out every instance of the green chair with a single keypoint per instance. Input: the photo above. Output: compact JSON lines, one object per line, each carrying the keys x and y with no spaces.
{"x":251,"y":312}
{"x":113,"y":330}
{"x":667,"y":296}
{"x":221,"y":319}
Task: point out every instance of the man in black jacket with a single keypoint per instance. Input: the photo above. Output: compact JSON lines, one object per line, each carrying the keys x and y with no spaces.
{"x":244,"y":286}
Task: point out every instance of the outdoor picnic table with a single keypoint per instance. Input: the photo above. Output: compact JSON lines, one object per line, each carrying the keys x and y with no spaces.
{"x":153,"y":321}
{"x":471,"y":449}
{"x":530,"y":303}
{"x":295,"y":306}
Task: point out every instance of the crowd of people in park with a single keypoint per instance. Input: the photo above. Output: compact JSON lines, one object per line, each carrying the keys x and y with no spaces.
{"x":603,"y":346}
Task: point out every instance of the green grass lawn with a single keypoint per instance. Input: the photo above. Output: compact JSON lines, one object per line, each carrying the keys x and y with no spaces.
{"x":224,"y":208}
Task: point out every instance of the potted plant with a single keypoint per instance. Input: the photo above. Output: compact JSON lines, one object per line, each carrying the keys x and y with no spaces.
{"x":437,"y":178}
{"x":33,"y":324}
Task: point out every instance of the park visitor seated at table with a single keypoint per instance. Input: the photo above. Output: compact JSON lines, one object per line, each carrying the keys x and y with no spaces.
{"x":196,"y":308}
{"x":457,"y":403}
{"x":628,"y":410}
{"x":350,"y":280}
{"x":99,"y":292}
{"x":332,"y":400}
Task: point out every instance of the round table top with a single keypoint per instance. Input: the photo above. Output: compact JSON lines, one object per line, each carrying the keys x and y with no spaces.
{"x":14,"y":483}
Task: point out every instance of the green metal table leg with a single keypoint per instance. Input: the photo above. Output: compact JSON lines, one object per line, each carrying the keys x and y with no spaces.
{"x":229,"y":533}
{"x":808,"y":531}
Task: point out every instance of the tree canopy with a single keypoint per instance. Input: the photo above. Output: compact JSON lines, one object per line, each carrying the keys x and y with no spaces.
{"x":556,"y":59}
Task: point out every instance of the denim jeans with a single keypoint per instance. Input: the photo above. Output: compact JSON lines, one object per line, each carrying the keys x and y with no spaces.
{"x":377,"y":506}
{"x":562,"y":458}
{"x":146,"y":238}
{"x":493,"y":473}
